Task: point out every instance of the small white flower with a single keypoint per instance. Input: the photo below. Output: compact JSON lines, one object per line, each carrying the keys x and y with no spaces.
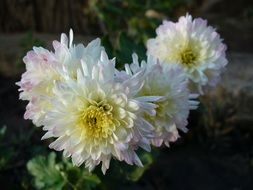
{"x":192,"y":44}
{"x":169,"y":82}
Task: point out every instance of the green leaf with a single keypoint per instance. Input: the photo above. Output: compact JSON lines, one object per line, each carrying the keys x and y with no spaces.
{"x":46,"y":172}
{"x":88,"y":181}
{"x":92,"y":179}
{"x":49,"y":175}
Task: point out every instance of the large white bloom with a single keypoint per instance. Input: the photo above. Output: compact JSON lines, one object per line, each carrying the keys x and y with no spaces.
{"x":192,"y":44}
{"x":75,"y":94}
{"x":94,"y":117}
{"x":169,"y":82}
{"x":44,"y":68}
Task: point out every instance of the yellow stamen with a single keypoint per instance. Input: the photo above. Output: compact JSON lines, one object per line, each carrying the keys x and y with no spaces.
{"x":188,"y":57}
{"x":97,"y":122}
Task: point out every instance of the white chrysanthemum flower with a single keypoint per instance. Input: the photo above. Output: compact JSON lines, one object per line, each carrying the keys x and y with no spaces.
{"x":95,"y":117}
{"x":74,"y":93}
{"x":44,"y":68}
{"x":169,"y":82}
{"x":192,"y":44}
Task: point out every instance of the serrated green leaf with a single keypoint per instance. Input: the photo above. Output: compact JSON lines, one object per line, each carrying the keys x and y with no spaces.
{"x":46,"y":172}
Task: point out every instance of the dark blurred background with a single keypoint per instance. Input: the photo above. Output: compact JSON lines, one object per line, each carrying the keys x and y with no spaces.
{"x":217,"y":153}
{"x":93,"y":17}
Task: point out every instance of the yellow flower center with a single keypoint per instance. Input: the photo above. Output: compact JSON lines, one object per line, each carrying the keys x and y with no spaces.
{"x":188,"y":57}
{"x":97,"y":121}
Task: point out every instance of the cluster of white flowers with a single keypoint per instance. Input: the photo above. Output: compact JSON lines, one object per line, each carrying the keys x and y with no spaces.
{"x":96,"y":112}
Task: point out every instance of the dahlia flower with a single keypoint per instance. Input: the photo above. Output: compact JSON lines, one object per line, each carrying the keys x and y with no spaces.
{"x":169,"y":82}
{"x":192,"y":44}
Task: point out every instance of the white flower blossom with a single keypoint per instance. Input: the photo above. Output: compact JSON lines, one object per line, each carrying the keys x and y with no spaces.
{"x":95,"y":118}
{"x":192,"y":44}
{"x":169,"y":82}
